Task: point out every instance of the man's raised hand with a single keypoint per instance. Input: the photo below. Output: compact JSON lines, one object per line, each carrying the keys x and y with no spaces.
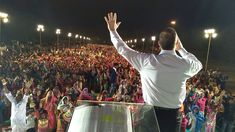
{"x":111,"y":21}
{"x":178,"y":44}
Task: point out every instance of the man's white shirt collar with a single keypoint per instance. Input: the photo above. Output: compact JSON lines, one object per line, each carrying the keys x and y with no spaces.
{"x":168,"y":52}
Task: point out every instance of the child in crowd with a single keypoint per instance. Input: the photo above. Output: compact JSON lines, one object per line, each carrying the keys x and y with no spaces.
{"x":30,"y":121}
{"x":43,"y":122}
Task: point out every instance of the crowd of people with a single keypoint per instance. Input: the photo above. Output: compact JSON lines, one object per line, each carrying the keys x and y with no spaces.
{"x":56,"y":79}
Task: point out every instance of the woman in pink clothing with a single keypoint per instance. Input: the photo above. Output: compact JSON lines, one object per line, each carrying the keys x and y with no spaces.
{"x":211,"y":119}
{"x":202,"y":103}
{"x":139,"y":96}
{"x":49,"y":105}
{"x":85,"y":95}
{"x":184,"y":122}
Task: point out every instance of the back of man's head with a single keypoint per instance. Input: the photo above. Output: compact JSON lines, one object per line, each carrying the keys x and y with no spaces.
{"x":167,"y":39}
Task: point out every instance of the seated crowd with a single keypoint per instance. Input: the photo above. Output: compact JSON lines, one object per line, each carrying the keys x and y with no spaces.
{"x":58,"y":79}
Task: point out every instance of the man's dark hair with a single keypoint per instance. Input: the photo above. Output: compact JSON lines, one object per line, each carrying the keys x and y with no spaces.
{"x":167,"y":38}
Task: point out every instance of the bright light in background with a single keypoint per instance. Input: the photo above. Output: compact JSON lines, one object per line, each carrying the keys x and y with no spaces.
{"x":210,"y":32}
{"x":80,"y":36}
{"x":76,"y":36}
{"x":214,"y":35}
{"x":58,"y":31}
{"x":173,"y":22}
{"x":69,"y":35}
{"x":3,"y":15}
{"x":5,"y":20}
{"x":40,"y":28}
{"x":84,"y":37}
{"x":135,"y":40}
{"x":143,"y":39}
{"x":206,"y":35}
{"x":153,"y":38}
{"x":130,"y":41}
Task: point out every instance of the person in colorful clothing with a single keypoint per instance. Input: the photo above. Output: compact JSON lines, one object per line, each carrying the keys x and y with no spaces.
{"x":50,"y":102}
{"x":43,"y":122}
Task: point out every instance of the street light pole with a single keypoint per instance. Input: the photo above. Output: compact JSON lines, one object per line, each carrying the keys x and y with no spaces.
{"x":69,"y":36}
{"x":143,"y":40}
{"x":4,"y":19}
{"x":76,"y":38}
{"x":40,"y":29}
{"x":0,"y":30}
{"x":135,"y":42}
{"x":209,"y":33}
{"x":84,"y":38}
{"x":208,"y":51}
{"x":40,"y":37}
{"x":80,"y":37}
{"x":57,"y":43}
{"x":58,"y":31}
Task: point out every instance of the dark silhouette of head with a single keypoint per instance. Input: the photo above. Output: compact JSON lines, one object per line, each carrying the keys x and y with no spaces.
{"x":167,"y":39}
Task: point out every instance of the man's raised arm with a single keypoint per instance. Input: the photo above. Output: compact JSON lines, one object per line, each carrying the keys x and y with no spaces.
{"x":135,"y":58}
{"x":6,"y":91}
{"x":194,"y":63}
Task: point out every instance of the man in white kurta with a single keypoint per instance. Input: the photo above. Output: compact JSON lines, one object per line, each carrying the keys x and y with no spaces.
{"x":18,"y":110}
{"x":18,"y":113}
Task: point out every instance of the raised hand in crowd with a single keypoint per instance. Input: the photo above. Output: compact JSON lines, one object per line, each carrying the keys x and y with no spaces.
{"x":4,"y":83}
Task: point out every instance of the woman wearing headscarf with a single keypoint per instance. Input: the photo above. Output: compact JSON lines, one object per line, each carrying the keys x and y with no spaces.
{"x":63,"y":107}
{"x":85,"y":95}
{"x":49,"y":104}
{"x":64,"y":104}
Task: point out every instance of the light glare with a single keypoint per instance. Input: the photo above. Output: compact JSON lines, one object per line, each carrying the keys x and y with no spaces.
{"x":143,"y":39}
{"x":69,"y":35}
{"x":58,"y":31}
{"x":3,"y":15}
{"x":153,"y":38}
{"x":210,"y":33}
{"x":40,"y":28}
{"x":135,"y":40}
{"x":214,"y":35}
{"x":173,"y":22}
{"x":5,"y":20}
{"x":206,"y":35}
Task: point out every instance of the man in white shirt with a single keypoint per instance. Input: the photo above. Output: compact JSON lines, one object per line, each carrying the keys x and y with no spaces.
{"x":18,"y":109}
{"x":163,"y":76}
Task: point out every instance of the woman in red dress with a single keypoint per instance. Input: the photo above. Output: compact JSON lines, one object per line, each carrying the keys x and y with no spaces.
{"x":50,"y":106}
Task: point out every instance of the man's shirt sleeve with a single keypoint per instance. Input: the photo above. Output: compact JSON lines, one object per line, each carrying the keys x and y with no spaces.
{"x":194,"y":64}
{"x":25,"y":98}
{"x":135,"y":58}
{"x":10,"y":97}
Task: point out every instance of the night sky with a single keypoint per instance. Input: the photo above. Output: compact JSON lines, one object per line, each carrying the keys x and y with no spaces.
{"x":140,"y":18}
